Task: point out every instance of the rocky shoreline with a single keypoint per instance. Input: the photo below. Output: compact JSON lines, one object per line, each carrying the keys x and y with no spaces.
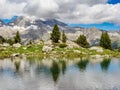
{"x":49,"y":50}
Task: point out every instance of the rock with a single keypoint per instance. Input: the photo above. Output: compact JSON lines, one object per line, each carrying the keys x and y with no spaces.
{"x":6,"y":45}
{"x":29,"y":46}
{"x":15,"y":55}
{"x":76,"y":51}
{"x":17,"y":45}
{"x":47,"y":49}
{"x":49,"y":42}
{"x":2,"y":49}
{"x":72,"y":45}
{"x":38,"y":42}
{"x":98,"y":49}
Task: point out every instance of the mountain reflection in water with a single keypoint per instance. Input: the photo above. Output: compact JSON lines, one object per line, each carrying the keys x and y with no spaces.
{"x":82,"y":74}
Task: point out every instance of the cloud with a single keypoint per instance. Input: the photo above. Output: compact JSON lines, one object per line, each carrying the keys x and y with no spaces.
{"x":8,"y":9}
{"x":69,"y":11}
{"x":94,"y":14}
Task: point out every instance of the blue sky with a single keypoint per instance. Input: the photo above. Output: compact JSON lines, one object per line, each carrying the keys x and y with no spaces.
{"x":7,"y":21}
{"x":103,"y":26}
{"x":113,"y":1}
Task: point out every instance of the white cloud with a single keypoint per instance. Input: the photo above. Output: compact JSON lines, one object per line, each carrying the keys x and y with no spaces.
{"x":94,"y":14}
{"x":70,"y":11}
{"x":7,"y":9}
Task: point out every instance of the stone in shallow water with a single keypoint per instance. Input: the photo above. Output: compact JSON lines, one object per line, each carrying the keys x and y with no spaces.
{"x":15,"y":54}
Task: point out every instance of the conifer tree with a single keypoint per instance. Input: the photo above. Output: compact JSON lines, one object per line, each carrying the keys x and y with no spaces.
{"x":105,"y":41}
{"x":17,"y":38}
{"x":55,"y":35}
{"x":64,"y":38}
{"x":82,"y":41}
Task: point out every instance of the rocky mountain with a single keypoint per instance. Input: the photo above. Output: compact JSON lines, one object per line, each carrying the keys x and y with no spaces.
{"x":32,"y":28}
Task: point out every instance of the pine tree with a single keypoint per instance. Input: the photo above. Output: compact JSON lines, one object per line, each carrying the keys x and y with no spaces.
{"x":55,"y":35}
{"x":105,"y":41}
{"x":17,"y":38}
{"x":2,"y":40}
{"x":64,"y":38}
{"x":82,"y":41}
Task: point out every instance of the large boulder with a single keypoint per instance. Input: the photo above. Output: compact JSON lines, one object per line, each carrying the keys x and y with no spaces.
{"x":38,"y":42}
{"x":98,"y":49}
{"x":5,"y":45}
{"x":47,"y":49}
{"x":15,"y":55}
{"x":71,"y":44}
{"x":77,"y":51}
{"x":48,"y":43}
{"x":17,"y":45}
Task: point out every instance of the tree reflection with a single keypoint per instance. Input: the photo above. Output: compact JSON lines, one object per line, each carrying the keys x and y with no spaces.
{"x":63,"y":67}
{"x":82,"y":64}
{"x":105,"y":64}
{"x":17,"y":66}
{"x":55,"y":70}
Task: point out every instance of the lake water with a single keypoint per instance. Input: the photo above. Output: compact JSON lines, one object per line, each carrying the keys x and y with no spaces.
{"x":35,"y":74}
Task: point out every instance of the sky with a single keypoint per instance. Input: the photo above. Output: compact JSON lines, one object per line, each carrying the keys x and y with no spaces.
{"x":103,"y":14}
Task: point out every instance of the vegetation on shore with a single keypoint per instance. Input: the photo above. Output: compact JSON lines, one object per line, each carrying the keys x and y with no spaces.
{"x":36,"y":51}
{"x":59,"y":49}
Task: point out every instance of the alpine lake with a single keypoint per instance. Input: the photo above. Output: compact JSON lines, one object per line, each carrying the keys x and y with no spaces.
{"x":48,"y":74}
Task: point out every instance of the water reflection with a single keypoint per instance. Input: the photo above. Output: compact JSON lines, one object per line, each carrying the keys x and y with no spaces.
{"x":55,"y":71}
{"x":63,"y":63}
{"x":105,"y":64}
{"x":59,"y":75}
{"x":17,"y":65}
{"x":82,"y":64}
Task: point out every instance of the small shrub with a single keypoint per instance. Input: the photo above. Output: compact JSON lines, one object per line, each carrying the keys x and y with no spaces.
{"x":62,"y":45}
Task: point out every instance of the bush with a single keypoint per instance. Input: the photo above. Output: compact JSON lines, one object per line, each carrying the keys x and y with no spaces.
{"x":62,"y":45}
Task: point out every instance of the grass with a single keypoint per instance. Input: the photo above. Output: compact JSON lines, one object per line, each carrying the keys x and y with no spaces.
{"x":36,"y":51}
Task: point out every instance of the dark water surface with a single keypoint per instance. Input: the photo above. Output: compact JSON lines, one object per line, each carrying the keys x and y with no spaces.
{"x":78,"y":74}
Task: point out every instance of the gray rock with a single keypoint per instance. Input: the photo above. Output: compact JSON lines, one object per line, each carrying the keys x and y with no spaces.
{"x":17,"y":45}
{"x":72,"y":45}
{"x":15,"y":55}
{"x":47,"y":49}
{"x":76,"y":51}
{"x":98,"y":49}
{"x":6,"y":45}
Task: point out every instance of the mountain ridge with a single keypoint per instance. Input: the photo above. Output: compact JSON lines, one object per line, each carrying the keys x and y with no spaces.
{"x":32,"y":28}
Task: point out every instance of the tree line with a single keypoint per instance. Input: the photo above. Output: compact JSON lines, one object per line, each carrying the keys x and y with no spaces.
{"x":11,"y":41}
{"x":56,"y":35}
{"x":105,"y":41}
